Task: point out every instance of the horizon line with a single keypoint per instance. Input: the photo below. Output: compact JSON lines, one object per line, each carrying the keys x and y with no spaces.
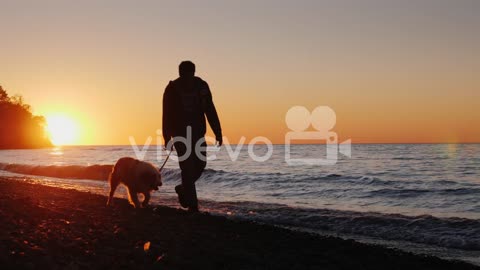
{"x":359,"y":143}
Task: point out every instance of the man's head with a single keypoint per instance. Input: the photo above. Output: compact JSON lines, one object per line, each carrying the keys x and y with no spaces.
{"x":186,"y":69}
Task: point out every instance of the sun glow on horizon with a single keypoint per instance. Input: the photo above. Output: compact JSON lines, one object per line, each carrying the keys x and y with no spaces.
{"x":62,"y":130}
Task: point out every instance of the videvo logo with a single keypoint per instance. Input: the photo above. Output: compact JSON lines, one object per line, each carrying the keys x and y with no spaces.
{"x":323,"y":120}
{"x":298,"y":120}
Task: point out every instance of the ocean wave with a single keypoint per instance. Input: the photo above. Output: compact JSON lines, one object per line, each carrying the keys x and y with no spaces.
{"x":406,"y":158}
{"x":238,"y":178}
{"x":458,"y":233}
{"x":388,"y":192}
{"x":93,"y":172}
{"x":404,"y":192}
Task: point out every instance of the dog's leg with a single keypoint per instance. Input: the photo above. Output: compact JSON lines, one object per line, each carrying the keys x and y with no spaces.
{"x":114,"y":182}
{"x":133,"y":198}
{"x":147,"y":198}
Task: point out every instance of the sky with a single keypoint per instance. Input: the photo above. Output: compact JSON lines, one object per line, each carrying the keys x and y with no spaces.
{"x":393,"y":71}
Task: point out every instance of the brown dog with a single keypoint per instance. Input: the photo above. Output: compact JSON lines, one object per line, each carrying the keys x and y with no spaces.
{"x":138,"y":176}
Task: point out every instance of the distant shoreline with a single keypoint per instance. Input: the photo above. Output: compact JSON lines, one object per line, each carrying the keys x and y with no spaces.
{"x":58,"y":228}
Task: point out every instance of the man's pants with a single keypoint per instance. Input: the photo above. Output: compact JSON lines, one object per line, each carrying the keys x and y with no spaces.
{"x":192,"y":167}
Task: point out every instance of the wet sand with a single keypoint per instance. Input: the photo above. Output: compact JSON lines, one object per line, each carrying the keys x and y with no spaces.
{"x":51,"y":228}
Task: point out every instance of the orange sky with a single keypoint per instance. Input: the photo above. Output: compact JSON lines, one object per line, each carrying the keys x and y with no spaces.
{"x":395,"y":72}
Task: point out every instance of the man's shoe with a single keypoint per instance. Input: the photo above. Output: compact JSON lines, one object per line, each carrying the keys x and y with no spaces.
{"x":181,"y":196}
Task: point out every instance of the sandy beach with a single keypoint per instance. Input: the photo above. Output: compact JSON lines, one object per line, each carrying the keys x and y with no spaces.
{"x":52,"y":228}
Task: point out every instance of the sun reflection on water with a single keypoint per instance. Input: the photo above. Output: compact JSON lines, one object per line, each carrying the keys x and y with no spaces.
{"x":57,"y":151}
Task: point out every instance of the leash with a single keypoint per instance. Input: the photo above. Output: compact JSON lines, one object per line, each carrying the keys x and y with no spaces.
{"x":168,"y":156}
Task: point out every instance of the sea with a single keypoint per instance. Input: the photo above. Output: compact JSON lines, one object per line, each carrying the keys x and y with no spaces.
{"x":422,"y":198}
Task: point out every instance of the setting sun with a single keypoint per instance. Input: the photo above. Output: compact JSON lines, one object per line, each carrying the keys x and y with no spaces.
{"x":62,"y":130}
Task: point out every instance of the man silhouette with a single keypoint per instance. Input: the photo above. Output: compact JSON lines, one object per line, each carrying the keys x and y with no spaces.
{"x":186,"y":102}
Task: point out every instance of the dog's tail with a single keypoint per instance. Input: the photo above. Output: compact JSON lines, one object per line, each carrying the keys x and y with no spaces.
{"x":111,"y":176}
{"x":114,"y":177}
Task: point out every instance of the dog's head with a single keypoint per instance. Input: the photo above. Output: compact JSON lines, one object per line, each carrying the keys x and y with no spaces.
{"x":152,"y":179}
{"x":157,"y":182}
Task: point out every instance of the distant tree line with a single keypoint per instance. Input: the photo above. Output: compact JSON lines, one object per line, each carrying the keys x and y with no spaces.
{"x":19,"y":128}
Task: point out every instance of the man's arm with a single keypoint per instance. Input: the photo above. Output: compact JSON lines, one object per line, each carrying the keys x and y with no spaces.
{"x":167,"y":120}
{"x":211,"y":113}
